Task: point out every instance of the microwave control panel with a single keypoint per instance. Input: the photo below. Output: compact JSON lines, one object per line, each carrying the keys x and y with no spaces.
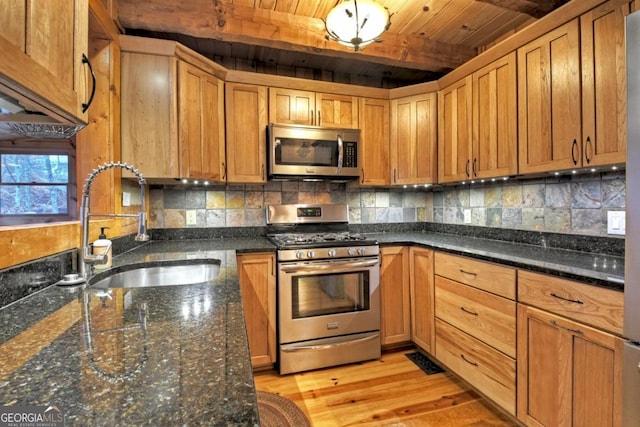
{"x":350,"y":155}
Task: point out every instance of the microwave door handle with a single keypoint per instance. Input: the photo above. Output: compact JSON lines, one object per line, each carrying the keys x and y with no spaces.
{"x":340,"y":154}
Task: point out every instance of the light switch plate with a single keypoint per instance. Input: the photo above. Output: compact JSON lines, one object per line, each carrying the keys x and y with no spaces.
{"x":126,"y":198}
{"x":192,"y":218}
{"x":467,"y":216}
{"x":616,"y":223}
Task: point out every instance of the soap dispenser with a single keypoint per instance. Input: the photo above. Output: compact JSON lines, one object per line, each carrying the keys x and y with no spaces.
{"x":101,"y":246}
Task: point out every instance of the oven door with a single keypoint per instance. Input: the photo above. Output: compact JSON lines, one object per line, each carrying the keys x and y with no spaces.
{"x":327,"y":298}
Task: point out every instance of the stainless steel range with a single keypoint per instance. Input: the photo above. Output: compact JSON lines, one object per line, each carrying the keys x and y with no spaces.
{"x":328,"y":288}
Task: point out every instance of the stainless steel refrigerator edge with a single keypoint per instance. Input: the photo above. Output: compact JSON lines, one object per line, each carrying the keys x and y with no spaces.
{"x":631,"y":379}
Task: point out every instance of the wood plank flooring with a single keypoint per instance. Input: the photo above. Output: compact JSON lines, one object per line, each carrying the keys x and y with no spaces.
{"x":391,"y":391}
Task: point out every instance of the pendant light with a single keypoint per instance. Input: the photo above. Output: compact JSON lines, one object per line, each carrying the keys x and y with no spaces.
{"x":357,"y":23}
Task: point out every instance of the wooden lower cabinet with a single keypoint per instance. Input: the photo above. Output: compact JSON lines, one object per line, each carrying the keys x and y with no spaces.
{"x":394,"y":295}
{"x":422,"y":298}
{"x":569,"y":374}
{"x":488,"y":370}
{"x":258,"y":286}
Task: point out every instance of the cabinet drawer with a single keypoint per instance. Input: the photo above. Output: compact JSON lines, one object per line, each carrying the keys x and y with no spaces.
{"x":600,"y":307}
{"x":485,"y":316}
{"x":485,"y":368}
{"x":479,"y":274}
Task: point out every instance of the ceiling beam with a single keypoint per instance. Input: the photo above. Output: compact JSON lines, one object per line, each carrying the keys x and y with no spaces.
{"x":534,"y":8}
{"x":220,"y":20}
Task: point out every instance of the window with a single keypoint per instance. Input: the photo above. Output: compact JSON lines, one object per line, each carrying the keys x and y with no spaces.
{"x":37,"y":182}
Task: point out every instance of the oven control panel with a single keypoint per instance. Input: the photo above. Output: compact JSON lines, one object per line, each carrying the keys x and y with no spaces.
{"x":324,"y":253}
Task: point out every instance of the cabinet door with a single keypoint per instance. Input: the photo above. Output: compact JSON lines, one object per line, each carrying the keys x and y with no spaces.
{"x":454,"y":132}
{"x":421,"y":283}
{"x":549,"y":116}
{"x":246,"y":122}
{"x":374,"y":137}
{"x":45,"y":41}
{"x":149,"y":126}
{"x":339,"y":111}
{"x":568,"y":374}
{"x":258,"y":286}
{"x":201,"y":134}
{"x":394,"y":285}
{"x":495,"y":112}
{"x":289,"y":106}
{"x":414,"y":139}
{"x":604,"y":84}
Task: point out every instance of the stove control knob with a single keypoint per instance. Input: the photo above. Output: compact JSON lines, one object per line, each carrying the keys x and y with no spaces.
{"x":351,"y":251}
{"x":331,"y":252}
{"x":299,"y":254}
{"x":310,"y":254}
{"x":361,"y":251}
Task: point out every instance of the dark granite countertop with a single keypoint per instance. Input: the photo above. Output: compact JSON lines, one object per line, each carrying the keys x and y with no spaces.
{"x":86,"y":352}
{"x":592,"y":268}
{"x":171,"y":355}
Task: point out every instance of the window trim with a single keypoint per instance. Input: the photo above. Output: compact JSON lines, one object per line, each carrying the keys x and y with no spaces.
{"x":45,"y":147}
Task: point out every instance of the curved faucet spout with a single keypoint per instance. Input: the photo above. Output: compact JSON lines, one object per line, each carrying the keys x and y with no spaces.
{"x":86,"y":258}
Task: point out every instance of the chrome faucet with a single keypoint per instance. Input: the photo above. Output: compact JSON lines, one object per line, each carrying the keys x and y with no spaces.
{"x":85,"y":256}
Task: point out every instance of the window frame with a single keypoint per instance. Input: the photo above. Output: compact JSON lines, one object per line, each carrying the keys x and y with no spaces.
{"x":45,"y":147}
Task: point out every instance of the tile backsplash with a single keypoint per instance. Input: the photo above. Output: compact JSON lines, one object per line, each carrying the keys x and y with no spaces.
{"x":575,"y":204}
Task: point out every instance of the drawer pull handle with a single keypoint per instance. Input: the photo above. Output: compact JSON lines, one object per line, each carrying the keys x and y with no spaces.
{"x":575,"y":331}
{"x":468,"y":311}
{"x":470,"y":362}
{"x":577,"y":301}
{"x":471,"y":273}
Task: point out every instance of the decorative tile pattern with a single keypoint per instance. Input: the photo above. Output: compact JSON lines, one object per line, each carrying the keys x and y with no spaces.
{"x":568,"y":204}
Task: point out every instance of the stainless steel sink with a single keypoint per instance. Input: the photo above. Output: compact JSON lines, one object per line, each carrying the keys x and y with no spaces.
{"x":141,"y":276}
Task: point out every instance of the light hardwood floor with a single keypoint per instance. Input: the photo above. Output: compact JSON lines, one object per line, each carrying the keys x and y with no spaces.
{"x":391,"y":391}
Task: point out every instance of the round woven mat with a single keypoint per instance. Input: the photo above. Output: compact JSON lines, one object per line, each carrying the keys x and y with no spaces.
{"x":278,"y":411}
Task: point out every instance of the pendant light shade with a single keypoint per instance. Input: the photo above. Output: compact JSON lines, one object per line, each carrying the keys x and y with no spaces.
{"x":356,"y":24}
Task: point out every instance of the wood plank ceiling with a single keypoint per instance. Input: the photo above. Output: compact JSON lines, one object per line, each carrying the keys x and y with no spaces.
{"x":426,"y":39}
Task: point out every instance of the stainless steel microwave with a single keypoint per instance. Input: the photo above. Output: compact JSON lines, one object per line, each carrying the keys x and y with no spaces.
{"x":307,"y":152}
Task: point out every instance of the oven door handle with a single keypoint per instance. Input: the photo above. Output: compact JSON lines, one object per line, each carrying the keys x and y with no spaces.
{"x":328,"y":346}
{"x":294,"y":268}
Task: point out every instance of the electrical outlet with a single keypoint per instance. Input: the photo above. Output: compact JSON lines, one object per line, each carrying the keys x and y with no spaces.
{"x":192,"y":218}
{"x":467,"y":216}
{"x":126,"y":198}
{"x":616,"y":223}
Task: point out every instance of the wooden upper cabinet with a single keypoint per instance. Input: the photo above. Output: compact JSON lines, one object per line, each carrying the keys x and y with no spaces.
{"x":495,"y":119}
{"x":413,"y":142}
{"x":42,"y":44}
{"x":339,"y":111}
{"x":289,"y":106}
{"x":572,"y":93}
{"x":549,"y":114}
{"x":454,"y":131}
{"x":374,"y":137}
{"x":604,"y":84}
{"x":149,"y":114}
{"x":172,"y":117}
{"x":201,"y":115}
{"x":478,"y":124}
{"x":246,"y":123}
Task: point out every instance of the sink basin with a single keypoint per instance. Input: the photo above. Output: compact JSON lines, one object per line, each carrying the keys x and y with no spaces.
{"x":142,"y":276}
